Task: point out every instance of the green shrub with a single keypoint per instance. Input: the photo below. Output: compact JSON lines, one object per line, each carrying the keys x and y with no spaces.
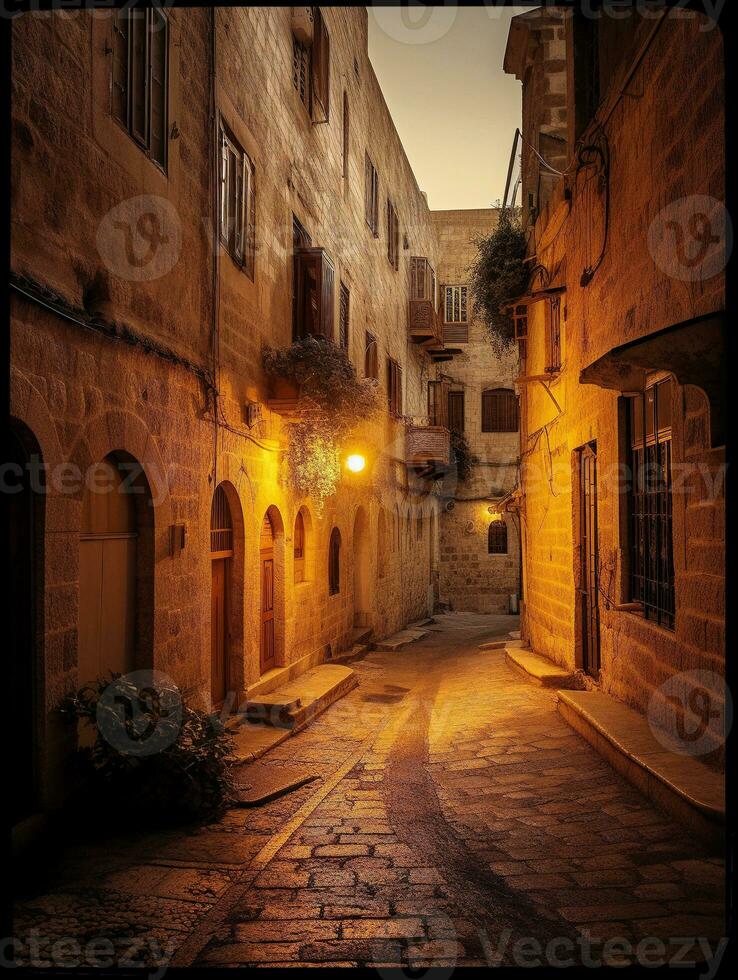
{"x":498,"y":275}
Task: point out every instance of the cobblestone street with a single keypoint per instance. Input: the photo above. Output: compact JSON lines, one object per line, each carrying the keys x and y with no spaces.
{"x":456,"y":814}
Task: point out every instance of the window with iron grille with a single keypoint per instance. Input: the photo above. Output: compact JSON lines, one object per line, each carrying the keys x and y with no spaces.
{"x":456,"y":411}
{"x":301,"y":71}
{"x":499,"y":410}
{"x":139,"y":82}
{"x":343,"y":317}
{"x":394,"y":387}
{"x":497,"y":538}
{"x":237,"y":202}
{"x":553,"y":335}
{"x":455,"y":310}
{"x":371,"y":356}
{"x":299,"y":547}
{"x":650,"y":503}
{"x":393,"y":236}
{"x":334,"y":563}
{"x":371,"y":196}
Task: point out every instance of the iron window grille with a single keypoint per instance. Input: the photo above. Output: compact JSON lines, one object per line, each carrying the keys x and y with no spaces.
{"x":553,"y":336}
{"x":301,"y":71}
{"x":221,"y":525}
{"x":139,"y":80}
{"x":497,"y":538}
{"x":651,"y":551}
{"x":456,"y":304}
{"x":499,"y":410}
{"x":237,"y":202}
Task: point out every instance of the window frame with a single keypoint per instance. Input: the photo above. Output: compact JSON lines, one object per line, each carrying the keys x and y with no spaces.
{"x":553,"y":335}
{"x":394,"y":387}
{"x":496,"y":418}
{"x":463,"y":302}
{"x":298,"y":548}
{"x":243,"y":248}
{"x":497,"y":529}
{"x":344,"y":315}
{"x":320,"y":67}
{"x":457,"y":395}
{"x":371,"y":356}
{"x":142,"y":140}
{"x":393,"y":236}
{"x":371,"y":195}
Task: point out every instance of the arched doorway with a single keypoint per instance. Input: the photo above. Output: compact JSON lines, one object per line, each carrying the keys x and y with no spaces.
{"x":268,"y":639}
{"x":26,"y":549}
{"x":221,"y":559}
{"x":115,"y":570}
{"x":362,"y":596}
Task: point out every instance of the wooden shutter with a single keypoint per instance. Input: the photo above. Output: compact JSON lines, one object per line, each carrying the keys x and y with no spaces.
{"x":314,"y":288}
{"x":158,"y":42}
{"x":497,"y":538}
{"x":139,"y":76}
{"x":120,"y":80}
{"x":499,"y":410}
{"x":321,"y":63}
{"x":438,"y":403}
{"x":250,"y":231}
{"x":456,"y":411}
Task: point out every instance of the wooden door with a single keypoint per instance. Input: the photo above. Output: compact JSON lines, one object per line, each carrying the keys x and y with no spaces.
{"x":107,"y":579}
{"x":218,"y":631}
{"x":267,"y":658}
{"x":589,"y":558}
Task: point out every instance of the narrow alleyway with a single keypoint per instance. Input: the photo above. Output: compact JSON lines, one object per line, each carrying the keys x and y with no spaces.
{"x":455,"y":814}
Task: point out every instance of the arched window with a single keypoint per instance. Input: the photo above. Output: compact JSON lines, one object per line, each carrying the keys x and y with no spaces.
{"x":299,"y":547}
{"x":334,"y":563}
{"x":497,"y":538}
{"x":499,"y":410}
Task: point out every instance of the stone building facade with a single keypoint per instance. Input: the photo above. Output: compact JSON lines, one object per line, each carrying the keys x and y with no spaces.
{"x":623,"y":519}
{"x":479,"y":565}
{"x":155,"y":237}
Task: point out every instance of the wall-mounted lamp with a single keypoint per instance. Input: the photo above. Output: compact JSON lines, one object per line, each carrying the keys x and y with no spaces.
{"x":355,"y":462}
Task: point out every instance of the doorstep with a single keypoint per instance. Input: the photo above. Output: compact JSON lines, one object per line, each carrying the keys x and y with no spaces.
{"x":686,"y":788}
{"x":538,"y":669}
{"x":399,"y":640}
{"x":294,"y":704}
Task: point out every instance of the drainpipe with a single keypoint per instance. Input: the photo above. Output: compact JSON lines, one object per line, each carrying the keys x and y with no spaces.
{"x":215,"y":271}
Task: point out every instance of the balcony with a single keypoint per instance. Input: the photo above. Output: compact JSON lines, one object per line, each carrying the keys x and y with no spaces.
{"x":424,"y":323}
{"x":428,"y":448}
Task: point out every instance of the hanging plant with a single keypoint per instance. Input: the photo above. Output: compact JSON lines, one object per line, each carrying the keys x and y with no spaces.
{"x":331,"y":402}
{"x":498,"y":275}
{"x":462,"y":455}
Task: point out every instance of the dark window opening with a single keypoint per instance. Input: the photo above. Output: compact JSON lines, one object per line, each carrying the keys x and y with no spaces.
{"x":651,"y":550}
{"x":499,"y":410}
{"x":456,"y":411}
{"x":497,"y":538}
{"x":371,"y":196}
{"x":343,"y":316}
{"x":394,"y":387}
{"x":371,"y":356}
{"x":393,"y":236}
{"x":299,"y":548}
{"x":237,"y":202}
{"x":321,"y":64}
{"x":334,"y":563}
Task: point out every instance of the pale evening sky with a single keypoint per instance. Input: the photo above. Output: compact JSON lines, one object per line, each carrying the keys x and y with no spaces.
{"x":440,"y":69}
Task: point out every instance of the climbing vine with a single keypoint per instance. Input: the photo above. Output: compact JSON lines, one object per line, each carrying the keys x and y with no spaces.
{"x":499,"y":274}
{"x":331,"y":402}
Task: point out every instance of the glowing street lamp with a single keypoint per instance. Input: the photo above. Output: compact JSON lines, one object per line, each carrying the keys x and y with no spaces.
{"x":356,"y":462}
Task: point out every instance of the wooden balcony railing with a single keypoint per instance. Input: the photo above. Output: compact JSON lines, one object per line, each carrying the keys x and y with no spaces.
{"x":427,"y":447}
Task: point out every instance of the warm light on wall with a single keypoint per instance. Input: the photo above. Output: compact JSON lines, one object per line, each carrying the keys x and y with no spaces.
{"x":356,"y":463}
{"x":495,"y":514}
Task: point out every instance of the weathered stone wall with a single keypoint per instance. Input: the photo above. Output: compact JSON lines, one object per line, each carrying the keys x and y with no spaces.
{"x":148,"y":389}
{"x":471,"y":579}
{"x":657,"y":144}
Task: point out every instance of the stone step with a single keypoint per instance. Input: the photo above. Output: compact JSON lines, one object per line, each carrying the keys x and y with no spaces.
{"x":360,"y":634}
{"x":514,"y":634}
{"x":399,"y":640}
{"x":501,"y":645}
{"x":675,"y":781}
{"x":540,"y":670}
{"x":300,"y":700}
{"x":357,"y":652}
